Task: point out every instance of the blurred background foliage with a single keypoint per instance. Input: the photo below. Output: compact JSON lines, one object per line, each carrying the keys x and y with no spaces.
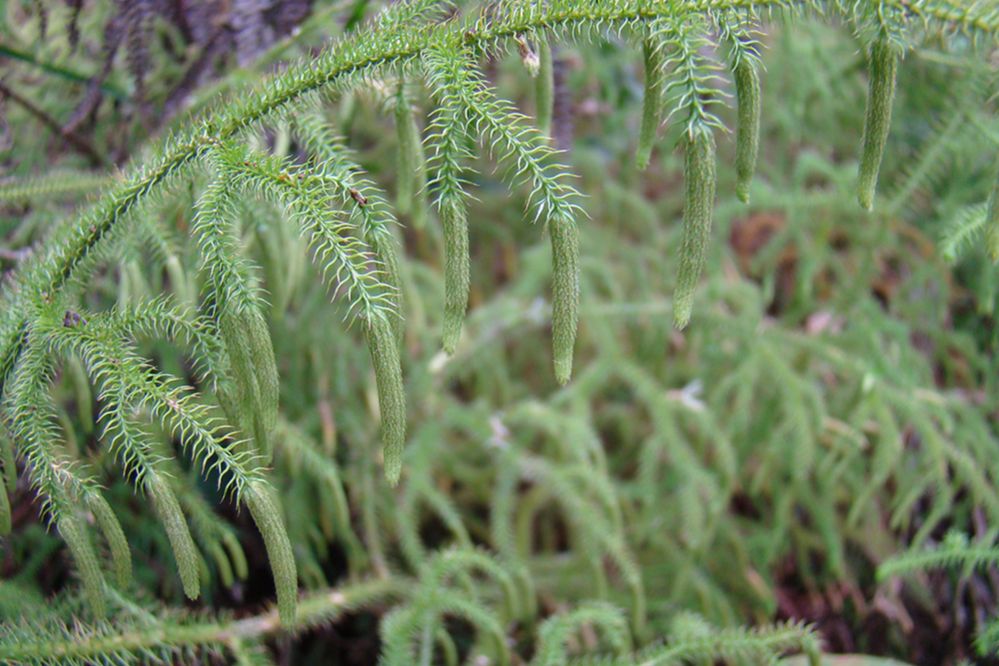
{"x":832,"y":404}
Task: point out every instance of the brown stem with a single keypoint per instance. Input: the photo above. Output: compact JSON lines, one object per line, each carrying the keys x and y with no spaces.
{"x":80,"y":144}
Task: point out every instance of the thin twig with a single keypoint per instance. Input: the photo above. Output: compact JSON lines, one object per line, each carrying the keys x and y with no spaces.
{"x":62,"y":72}
{"x":75,"y":140}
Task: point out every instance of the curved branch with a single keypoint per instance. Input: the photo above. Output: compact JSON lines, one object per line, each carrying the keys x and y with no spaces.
{"x":355,"y":59}
{"x":83,"y":643}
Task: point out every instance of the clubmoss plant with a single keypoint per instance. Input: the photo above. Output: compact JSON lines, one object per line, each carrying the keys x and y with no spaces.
{"x":225,"y":411}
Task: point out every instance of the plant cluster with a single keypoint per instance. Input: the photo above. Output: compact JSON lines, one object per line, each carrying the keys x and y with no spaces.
{"x":793,"y":418}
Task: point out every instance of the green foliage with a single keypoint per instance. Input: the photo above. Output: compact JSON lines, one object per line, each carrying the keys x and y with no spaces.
{"x":451,"y":138}
{"x":66,"y":184}
{"x":881,"y":97}
{"x":566,"y":521}
{"x":384,"y":351}
{"x":733,"y":646}
{"x":655,"y":78}
{"x":698,"y":209}
{"x":167,"y":508}
{"x":556,"y":631}
{"x":565,"y":293}
{"x":954,"y":552}
{"x":544,"y":96}
{"x":412,"y":170}
{"x":747,"y":85}
{"x":142,"y":633}
{"x":992,"y":223}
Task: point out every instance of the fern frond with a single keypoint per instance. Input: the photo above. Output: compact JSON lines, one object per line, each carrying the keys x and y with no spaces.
{"x":251,"y":395}
{"x":61,"y":484}
{"x":403,"y":15}
{"x":987,"y":640}
{"x":125,"y":375}
{"x":693,"y":88}
{"x":552,"y":468}
{"x":166,"y":635}
{"x":240,"y":473}
{"x":362,"y":199}
{"x":350,"y":62}
{"x":419,"y":492}
{"x":964,"y":231}
{"x":556,"y":631}
{"x":346,"y":260}
{"x":462,"y":92}
{"x":455,"y":562}
{"x":62,"y":184}
{"x":162,"y":318}
{"x":744,"y":58}
{"x":410,"y":622}
{"x":759,"y":645}
{"x":953,"y":552}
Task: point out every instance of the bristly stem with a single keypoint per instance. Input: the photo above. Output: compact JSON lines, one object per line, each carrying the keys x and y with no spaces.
{"x":315,"y":609}
{"x":359,"y":57}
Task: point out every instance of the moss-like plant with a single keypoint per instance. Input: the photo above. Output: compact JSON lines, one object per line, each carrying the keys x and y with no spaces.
{"x":231,"y":426}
